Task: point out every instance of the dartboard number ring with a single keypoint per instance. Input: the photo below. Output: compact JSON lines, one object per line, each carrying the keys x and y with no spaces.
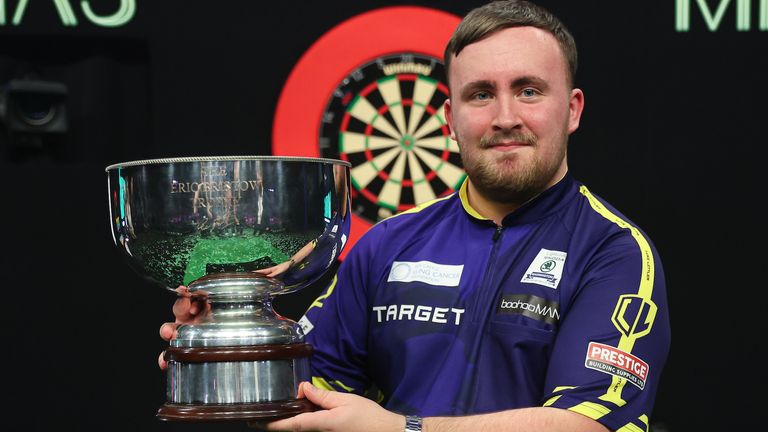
{"x":387,"y":119}
{"x":341,"y":101}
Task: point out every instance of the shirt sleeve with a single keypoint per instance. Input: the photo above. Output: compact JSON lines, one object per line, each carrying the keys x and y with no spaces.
{"x":613,"y":343}
{"x":336,"y":325}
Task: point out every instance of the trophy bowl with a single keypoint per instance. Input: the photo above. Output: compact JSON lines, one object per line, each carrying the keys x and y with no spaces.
{"x":234,"y":231}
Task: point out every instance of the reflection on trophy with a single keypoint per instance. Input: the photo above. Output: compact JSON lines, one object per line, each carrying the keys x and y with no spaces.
{"x":236,"y":231}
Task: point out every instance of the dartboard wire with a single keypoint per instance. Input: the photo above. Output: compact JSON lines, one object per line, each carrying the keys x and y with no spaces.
{"x":439,"y":142}
{"x":449,"y":173}
{"x":363,"y":174}
{"x":363,"y":110}
{"x":389,"y":88}
{"x":423,"y":90}
{"x":404,"y":148}
{"x":435,"y":122}
{"x":389,"y":197}
{"x":355,"y":142}
{"x":422,"y":190}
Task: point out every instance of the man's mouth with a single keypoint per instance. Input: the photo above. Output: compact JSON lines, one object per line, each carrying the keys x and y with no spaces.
{"x":508,"y":142}
{"x":507,"y":145}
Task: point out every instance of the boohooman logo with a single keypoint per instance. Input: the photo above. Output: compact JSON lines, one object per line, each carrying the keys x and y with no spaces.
{"x":531,"y":306}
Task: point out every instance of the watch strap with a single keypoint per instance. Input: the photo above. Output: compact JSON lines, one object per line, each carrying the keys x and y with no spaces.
{"x":413,"y":423}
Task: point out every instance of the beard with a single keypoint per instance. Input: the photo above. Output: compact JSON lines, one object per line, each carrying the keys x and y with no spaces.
{"x":507,"y":178}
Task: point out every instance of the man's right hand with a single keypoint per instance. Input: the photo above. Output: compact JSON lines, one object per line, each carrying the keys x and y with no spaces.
{"x":186,"y":310}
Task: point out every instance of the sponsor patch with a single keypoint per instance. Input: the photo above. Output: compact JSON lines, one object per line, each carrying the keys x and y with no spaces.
{"x":426,"y":272}
{"x":613,"y":361}
{"x":409,"y":312}
{"x":305,"y":325}
{"x":530,"y":306}
{"x":634,"y":315}
{"x":546,"y":269}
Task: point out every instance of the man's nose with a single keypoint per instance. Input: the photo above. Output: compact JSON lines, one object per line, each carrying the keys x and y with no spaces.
{"x":507,"y":115}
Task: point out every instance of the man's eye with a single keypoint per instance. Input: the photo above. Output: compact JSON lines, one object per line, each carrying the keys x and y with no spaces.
{"x":482,"y":96}
{"x":529,"y":92}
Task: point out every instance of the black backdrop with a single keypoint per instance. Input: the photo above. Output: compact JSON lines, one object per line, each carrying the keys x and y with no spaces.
{"x":672,"y":135}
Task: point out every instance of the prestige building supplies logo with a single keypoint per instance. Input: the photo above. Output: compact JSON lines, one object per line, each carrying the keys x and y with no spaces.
{"x":613,"y":361}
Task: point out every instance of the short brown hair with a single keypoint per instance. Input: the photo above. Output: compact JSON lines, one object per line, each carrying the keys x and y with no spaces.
{"x":482,"y":22}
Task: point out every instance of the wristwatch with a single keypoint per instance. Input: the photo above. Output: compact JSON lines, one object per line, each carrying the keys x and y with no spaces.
{"x":412,"y":423}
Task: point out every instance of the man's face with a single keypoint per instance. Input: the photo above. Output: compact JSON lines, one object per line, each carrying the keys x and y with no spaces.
{"x":511,"y":111}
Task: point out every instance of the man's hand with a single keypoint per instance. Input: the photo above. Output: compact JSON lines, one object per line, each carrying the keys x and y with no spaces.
{"x":344,"y":412}
{"x":275,"y":270}
{"x":187,"y":310}
{"x":341,"y":412}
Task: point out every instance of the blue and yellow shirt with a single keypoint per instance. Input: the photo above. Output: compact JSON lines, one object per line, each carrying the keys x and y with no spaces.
{"x":446,"y":313}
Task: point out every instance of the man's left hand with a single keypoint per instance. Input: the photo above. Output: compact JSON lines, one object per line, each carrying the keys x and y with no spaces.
{"x":340,"y":412}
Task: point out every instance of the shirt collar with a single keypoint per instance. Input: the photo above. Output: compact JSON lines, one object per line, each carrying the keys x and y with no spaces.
{"x":536,"y":208}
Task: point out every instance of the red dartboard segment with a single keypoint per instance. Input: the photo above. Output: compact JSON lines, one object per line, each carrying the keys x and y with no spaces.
{"x":369,"y":131}
{"x":371,"y":87}
{"x":337,"y":53}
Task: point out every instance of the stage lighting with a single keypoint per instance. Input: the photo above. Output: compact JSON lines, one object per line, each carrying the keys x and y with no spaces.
{"x":33,"y":119}
{"x":33,"y":106}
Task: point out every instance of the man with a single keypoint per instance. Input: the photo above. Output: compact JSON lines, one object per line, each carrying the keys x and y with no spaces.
{"x":523,"y":302}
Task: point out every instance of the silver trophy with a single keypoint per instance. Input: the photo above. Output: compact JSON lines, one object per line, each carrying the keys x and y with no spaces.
{"x":236,"y":231}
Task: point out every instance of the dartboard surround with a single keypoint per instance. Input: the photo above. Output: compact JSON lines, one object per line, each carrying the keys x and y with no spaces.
{"x":373,"y":96}
{"x":386,"y":118}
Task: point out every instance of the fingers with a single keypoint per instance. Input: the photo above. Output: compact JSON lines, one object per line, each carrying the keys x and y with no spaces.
{"x":323,"y":398}
{"x":342,"y":411}
{"x":187,"y":298}
{"x":186,"y":309}
{"x":301,"y":394}
{"x":194,"y":307}
{"x":275,"y":270}
{"x":182,"y":308}
{"x":168,"y":331}
{"x":302,"y":422}
{"x":268,"y":272}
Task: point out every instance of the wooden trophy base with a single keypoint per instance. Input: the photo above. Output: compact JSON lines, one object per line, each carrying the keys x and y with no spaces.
{"x":263,"y":412}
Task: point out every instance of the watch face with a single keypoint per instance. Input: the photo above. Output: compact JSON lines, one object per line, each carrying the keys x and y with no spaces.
{"x":387,"y":119}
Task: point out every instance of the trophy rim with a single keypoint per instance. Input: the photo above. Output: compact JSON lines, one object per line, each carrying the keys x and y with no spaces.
{"x":193,"y":159}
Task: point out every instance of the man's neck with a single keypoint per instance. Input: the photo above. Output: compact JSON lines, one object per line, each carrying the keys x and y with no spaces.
{"x":494,"y":210}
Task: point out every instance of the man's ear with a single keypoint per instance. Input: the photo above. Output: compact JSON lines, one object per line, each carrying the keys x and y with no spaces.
{"x":449,"y":117}
{"x":576,"y":106}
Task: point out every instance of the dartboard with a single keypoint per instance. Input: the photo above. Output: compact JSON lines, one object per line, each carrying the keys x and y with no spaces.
{"x":372,"y":93}
{"x":386,"y":118}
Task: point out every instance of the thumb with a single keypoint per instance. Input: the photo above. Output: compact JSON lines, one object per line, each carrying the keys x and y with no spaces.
{"x":322,"y":398}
